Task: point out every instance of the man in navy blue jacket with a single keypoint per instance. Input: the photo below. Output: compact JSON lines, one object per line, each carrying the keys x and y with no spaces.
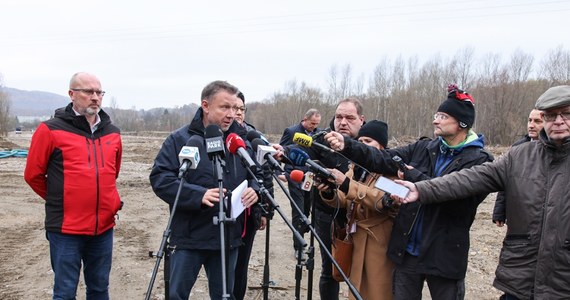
{"x":307,"y":126}
{"x":195,"y":240}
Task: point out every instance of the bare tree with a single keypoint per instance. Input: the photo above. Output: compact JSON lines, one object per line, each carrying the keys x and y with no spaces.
{"x":4,"y":110}
{"x":555,"y":67}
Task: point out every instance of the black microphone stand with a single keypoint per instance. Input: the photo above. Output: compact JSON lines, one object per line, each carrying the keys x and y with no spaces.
{"x":275,"y":206}
{"x":299,"y":265}
{"x":311,"y":251}
{"x":265,"y":284}
{"x":221,"y":219}
{"x":314,"y":234}
{"x":162,"y":250}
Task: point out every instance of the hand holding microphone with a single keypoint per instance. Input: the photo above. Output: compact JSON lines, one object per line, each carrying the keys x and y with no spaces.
{"x":336,"y":140}
{"x":322,"y":175}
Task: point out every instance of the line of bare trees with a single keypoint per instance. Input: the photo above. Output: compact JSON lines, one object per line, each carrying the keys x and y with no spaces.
{"x":406,"y":93}
{"x":403,"y":92}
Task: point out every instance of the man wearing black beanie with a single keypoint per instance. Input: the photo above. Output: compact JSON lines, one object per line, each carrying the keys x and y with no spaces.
{"x":430,"y":242}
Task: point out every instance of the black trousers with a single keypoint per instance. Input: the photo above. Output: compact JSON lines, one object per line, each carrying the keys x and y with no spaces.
{"x":328,"y":287}
{"x":301,"y":198}
{"x":244,"y":254}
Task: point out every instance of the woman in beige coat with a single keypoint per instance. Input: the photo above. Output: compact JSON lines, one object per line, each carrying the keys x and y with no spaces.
{"x":371,"y":271}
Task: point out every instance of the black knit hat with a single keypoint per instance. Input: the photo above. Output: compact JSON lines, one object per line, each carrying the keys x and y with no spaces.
{"x":377,"y":130}
{"x":459,"y":105}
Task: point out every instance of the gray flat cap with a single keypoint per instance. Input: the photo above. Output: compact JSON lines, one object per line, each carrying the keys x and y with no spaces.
{"x":556,"y":96}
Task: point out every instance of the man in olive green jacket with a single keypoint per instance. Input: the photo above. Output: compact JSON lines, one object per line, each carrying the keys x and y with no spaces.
{"x":535,"y":258}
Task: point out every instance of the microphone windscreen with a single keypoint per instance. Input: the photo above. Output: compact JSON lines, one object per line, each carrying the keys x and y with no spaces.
{"x":297,"y":176}
{"x":302,"y":139}
{"x":234,"y":142}
{"x":255,"y":143}
{"x":253,"y":134}
{"x":194,"y":141}
{"x":298,"y":157}
{"x":213,"y":131}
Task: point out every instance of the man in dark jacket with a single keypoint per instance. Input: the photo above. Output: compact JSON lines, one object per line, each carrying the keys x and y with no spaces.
{"x":73,"y":164}
{"x":534,"y":126}
{"x":307,"y":126}
{"x":195,"y":240}
{"x":430,"y":242}
{"x":348,"y":120}
{"x":535,"y":258}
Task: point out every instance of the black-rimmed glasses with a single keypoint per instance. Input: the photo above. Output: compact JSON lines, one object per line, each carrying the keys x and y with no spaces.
{"x":90,"y":92}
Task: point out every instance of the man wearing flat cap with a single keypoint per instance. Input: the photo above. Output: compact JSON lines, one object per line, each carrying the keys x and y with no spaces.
{"x":535,"y":258}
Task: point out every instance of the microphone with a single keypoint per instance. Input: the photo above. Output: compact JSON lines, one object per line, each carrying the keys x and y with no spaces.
{"x":297,"y":176}
{"x":254,"y":134}
{"x":214,"y":141}
{"x":321,"y":133}
{"x":265,"y":154}
{"x":236,"y":145}
{"x":304,"y":140}
{"x":301,"y":158}
{"x":189,"y":156}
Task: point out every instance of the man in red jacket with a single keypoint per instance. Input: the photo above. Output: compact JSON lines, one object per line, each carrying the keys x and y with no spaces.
{"x":73,"y":163}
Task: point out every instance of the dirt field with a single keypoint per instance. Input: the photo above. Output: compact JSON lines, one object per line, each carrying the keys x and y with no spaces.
{"x":25,"y":271}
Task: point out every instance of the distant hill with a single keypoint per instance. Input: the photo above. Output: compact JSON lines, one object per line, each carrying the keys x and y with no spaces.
{"x":34,"y":103}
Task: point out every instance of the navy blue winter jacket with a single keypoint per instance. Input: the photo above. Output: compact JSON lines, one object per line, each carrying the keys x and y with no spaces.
{"x":192,"y":225}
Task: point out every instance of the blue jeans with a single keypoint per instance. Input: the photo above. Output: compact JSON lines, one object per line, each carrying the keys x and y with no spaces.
{"x":68,"y":251}
{"x":186,"y":264}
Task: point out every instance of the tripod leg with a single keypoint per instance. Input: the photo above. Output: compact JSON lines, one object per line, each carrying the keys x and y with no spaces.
{"x":166,"y":272}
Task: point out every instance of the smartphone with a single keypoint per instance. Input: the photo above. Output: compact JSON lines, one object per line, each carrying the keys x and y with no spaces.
{"x":389,"y":186}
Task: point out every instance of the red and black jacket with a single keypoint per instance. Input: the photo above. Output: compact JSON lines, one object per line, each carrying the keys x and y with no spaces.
{"x":75,"y":171}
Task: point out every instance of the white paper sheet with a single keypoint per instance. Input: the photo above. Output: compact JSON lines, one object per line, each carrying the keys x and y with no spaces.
{"x":237,"y":205}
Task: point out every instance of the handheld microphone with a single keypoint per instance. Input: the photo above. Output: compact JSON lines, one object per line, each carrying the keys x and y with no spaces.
{"x":301,"y":158}
{"x":254,"y":134}
{"x":214,"y":141}
{"x":304,"y":140}
{"x":265,"y":154}
{"x":236,"y":145}
{"x":306,"y":180}
{"x":321,"y":133}
{"x":189,"y":156}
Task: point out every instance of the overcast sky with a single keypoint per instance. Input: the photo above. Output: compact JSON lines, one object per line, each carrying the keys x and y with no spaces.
{"x":162,"y":53}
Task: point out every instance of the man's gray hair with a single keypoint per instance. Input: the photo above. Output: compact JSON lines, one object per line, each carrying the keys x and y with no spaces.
{"x":216,"y":86}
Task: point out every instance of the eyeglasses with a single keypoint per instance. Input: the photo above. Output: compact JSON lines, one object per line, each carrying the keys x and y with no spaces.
{"x":90,"y":92}
{"x":242,"y":109}
{"x":440,"y":116}
{"x":551,"y":117}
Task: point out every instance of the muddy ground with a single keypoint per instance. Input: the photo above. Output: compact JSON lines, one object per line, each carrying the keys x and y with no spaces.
{"x":25,"y":271}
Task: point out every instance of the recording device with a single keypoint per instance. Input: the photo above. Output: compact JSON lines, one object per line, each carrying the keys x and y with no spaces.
{"x":214,"y":141}
{"x":304,"y":140}
{"x":301,"y":158}
{"x":399,"y":163}
{"x":236,"y":145}
{"x":265,"y":154}
{"x":254,"y":134}
{"x":189,"y":156}
{"x":389,"y":186}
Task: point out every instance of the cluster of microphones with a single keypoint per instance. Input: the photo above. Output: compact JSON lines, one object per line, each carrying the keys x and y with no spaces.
{"x":189,"y":155}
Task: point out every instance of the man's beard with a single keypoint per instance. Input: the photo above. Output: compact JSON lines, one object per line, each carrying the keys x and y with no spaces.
{"x":92,"y":111}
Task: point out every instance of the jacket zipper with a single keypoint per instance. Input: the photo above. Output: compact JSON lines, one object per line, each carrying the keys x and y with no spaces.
{"x":97,"y":182}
